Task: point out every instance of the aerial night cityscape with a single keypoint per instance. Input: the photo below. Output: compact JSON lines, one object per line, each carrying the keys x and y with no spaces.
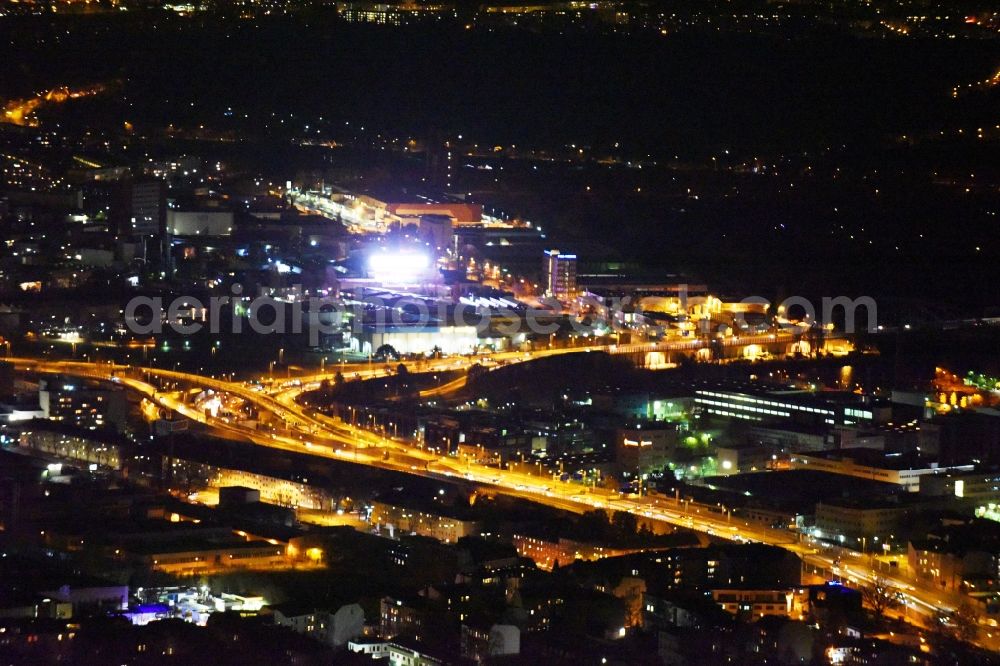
{"x":627,"y":332}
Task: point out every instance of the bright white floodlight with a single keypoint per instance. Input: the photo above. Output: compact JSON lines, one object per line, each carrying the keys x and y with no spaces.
{"x":398,"y":265}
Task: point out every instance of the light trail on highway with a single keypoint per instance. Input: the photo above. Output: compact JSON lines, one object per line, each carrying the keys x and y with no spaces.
{"x":321,"y":436}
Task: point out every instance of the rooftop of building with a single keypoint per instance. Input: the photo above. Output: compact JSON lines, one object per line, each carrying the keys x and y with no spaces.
{"x":798,"y":490}
{"x":875,"y":458}
{"x":979,"y":473}
{"x":297,"y":608}
{"x":783,"y":393}
{"x":442,"y":504}
{"x":26,"y":573}
{"x":813,"y":429}
{"x":900,"y":501}
{"x":70,"y":430}
{"x":976,"y":534}
{"x":191,"y":544}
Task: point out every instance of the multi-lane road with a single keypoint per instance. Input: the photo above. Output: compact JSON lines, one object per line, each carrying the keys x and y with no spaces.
{"x":311,"y":433}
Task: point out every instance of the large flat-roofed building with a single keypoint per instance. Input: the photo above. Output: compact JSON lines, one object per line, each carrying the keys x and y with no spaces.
{"x":750,"y":566}
{"x":200,"y":222}
{"x":827,"y":408}
{"x":383,"y":211}
{"x":640,"y":450}
{"x":416,"y":339}
{"x":849,"y":521}
{"x":461,"y":214}
{"x":447,"y":524}
{"x":791,"y":437}
{"x":379,"y":211}
{"x":900,"y":469}
{"x":173,"y":546}
{"x":742,"y":459}
{"x":670,"y":292}
{"x":18,"y":409}
{"x":975,"y":486}
{"x":789,"y":497}
{"x":205,"y":555}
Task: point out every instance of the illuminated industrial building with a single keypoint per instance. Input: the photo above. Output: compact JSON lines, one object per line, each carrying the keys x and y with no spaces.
{"x":645,"y":449}
{"x":899,"y":469}
{"x":802,"y":407}
{"x":416,"y":339}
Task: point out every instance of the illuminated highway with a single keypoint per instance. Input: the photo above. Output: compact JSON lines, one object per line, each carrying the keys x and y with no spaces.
{"x":321,"y":436}
{"x":492,"y":360}
{"x":22,"y":111}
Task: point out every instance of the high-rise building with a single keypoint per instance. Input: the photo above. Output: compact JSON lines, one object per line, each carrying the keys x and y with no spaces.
{"x":560,"y":274}
{"x":90,"y":406}
{"x":149,"y":209}
{"x":128,"y":207}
